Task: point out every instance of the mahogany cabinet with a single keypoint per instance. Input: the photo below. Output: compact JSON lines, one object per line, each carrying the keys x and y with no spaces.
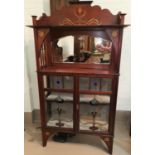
{"x":78,"y":86}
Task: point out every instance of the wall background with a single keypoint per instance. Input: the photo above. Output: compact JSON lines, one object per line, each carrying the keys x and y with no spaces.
{"x":37,"y":7}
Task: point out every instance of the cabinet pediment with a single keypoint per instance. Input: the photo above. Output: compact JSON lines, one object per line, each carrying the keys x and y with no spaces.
{"x":80,"y":14}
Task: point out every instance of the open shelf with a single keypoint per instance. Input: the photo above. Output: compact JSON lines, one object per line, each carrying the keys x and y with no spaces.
{"x":98,"y":27}
{"x":73,"y":71}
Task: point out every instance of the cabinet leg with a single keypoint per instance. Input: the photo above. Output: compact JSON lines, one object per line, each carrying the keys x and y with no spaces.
{"x":45,"y":136}
{"x":44,"y":142}
{"x":44,"y":139}
{"x":109,"y":142}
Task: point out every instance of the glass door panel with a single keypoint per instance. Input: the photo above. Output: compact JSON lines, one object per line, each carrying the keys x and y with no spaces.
{"x":94,"y":103}
{"x":59,"y":110}
{"x":94,"y":112}
{"x":59,"y":101}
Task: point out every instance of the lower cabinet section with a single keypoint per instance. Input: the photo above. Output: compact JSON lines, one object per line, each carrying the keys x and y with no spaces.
{"x":75,"y":104}
{"x":83,"y":109}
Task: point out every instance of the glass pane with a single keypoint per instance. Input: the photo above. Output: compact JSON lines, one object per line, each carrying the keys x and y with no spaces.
{"x":94,"y":112}
{"x":59,"y":110}
{"x":106,"y":84}
{"x":95,"y":84}
{"x":58,"y":82}
{"x":84,"y":83}
{"x":83,"y":49}
{"x":68,"y":82}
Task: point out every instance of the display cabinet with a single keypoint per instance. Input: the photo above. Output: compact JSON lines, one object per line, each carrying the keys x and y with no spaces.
{"x":78,"y":51}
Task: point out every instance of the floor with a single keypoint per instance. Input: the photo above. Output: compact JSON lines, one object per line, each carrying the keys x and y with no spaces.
{"x":83,"y":144}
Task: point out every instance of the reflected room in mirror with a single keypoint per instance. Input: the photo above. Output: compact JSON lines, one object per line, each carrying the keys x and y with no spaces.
{"x":83,"y":49}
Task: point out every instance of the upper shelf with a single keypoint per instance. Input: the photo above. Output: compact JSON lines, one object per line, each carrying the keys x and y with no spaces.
{"x":79,"y":26}
{"x":71,"y":71}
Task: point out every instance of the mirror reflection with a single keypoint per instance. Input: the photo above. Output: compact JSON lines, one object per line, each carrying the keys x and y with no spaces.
{"x":83,"y":49}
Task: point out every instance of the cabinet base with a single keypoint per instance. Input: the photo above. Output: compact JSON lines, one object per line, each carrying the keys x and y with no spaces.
{"x":62,"y":137}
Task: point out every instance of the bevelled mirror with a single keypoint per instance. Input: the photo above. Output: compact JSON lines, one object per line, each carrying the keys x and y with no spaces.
{"x":83,"y":49}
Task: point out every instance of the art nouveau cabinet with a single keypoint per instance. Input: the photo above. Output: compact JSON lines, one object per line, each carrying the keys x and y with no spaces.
{"x":78,"y":78}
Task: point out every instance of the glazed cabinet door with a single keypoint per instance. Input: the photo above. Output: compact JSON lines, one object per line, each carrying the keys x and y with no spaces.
{"x":94,"y":104}
{"x":59,"y":101}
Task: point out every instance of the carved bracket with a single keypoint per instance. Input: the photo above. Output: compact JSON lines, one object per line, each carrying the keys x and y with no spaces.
{"x":45,"y":136}
{"x":109,"y":142}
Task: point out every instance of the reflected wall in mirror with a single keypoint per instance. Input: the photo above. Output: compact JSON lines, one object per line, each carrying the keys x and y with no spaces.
{"x":83,"y":49}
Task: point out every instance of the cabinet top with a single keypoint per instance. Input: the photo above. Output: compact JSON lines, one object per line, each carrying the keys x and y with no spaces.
{"x":80,"y":27}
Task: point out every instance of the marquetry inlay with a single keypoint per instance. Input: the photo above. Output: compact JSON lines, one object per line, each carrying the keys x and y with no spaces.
{"x":80,"y":13}
{"x":114,"y":33}
{"x":41,"y":33}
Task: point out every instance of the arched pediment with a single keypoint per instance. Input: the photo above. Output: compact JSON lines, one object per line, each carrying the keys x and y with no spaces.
{"x":80,"y":14}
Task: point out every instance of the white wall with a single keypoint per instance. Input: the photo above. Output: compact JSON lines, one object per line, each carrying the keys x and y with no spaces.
{"x":32,"y":7}
{"x":37,"y":7}
{"x":27,"y":101}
